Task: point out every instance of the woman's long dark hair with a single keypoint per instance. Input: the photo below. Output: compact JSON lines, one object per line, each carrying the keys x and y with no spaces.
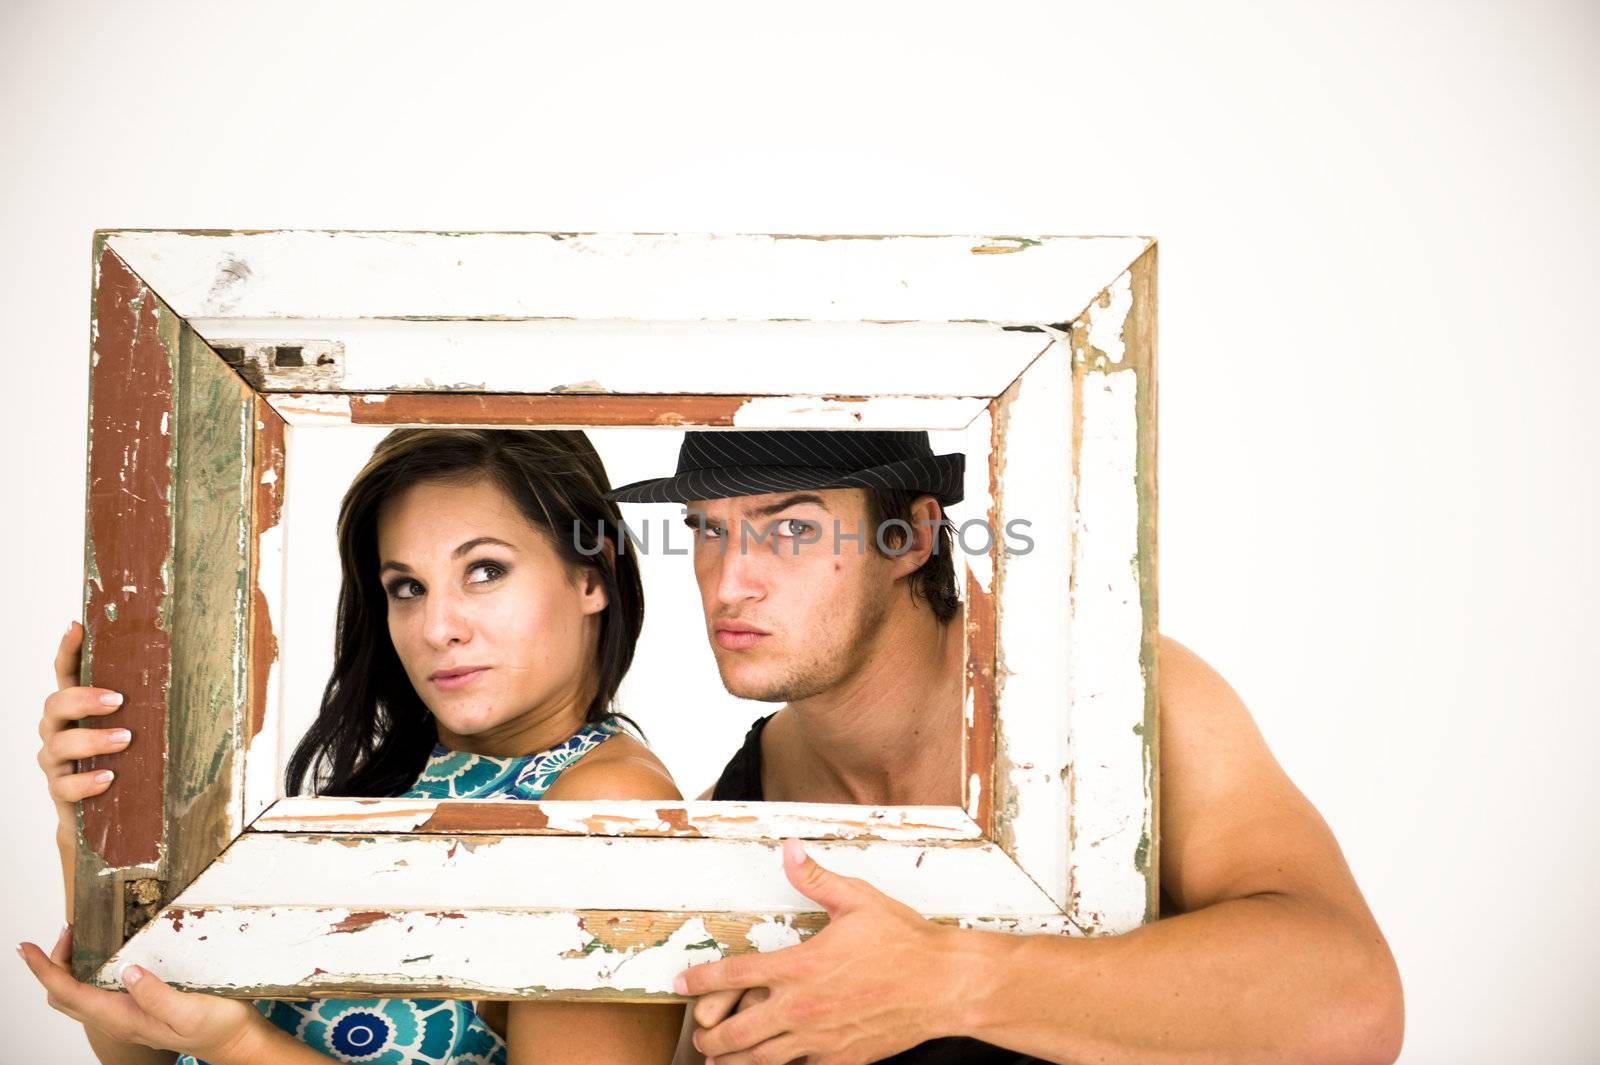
{"x":373,"y":734}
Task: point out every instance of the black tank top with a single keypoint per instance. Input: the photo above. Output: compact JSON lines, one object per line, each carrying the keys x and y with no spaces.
{"x":741,"y":782}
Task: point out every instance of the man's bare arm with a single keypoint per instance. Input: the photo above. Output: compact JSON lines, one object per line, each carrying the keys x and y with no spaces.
{"x":1273,"y":955}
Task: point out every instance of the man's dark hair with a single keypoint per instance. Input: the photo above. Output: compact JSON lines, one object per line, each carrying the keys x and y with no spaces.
{"x":936,"y":580}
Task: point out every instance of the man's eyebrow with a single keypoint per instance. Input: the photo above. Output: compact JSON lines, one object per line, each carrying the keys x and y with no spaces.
{"x":457,"y":553}
{"x":791,"y":501}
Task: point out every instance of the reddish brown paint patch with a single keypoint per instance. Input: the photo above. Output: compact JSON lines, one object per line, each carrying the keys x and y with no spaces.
{"x":487,"y":817}
{"x":677,"y":821}
{"x":469,"y":408}
{"x":357,"y":921}
{"x":130,"y":530}
{"x":177,"y":917}
{"x":266,"y":511}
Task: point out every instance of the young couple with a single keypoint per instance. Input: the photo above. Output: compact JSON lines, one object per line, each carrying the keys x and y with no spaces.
{"x":486,"y":619}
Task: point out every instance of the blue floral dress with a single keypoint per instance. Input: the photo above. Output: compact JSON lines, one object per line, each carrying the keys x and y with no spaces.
{"x":410,"y":1031}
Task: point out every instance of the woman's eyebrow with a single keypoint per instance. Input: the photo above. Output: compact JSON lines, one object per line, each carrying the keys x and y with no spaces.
{"x":457,"y":553}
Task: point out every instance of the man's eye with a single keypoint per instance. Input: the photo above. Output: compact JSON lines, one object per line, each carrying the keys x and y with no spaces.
{"x":707,"y":532}
{"x":795,"y":527}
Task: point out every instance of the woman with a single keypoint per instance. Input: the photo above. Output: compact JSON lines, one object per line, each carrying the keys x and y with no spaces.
{"x":486,"y":619}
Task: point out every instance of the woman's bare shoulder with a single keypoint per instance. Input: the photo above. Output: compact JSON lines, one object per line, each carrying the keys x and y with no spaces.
{"x":620,"y":768}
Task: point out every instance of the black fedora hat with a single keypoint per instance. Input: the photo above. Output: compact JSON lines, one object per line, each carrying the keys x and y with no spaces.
{"x":719,"y":464}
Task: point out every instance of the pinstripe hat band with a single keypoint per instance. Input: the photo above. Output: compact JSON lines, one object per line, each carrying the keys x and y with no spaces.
{"x":718,"y":465}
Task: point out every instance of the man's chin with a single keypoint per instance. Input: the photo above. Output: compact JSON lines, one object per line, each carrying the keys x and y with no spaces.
{"x":748,"y":684}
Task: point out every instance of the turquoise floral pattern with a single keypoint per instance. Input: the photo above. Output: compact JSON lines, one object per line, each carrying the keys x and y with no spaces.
{"x":460,"y":775}
{"x":390,"y":1031}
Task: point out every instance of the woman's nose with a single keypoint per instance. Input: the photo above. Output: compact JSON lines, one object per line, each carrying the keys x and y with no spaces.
{"x":445,"y":620}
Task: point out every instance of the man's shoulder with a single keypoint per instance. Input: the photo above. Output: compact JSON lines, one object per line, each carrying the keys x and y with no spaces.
{"x":1232,"y":822}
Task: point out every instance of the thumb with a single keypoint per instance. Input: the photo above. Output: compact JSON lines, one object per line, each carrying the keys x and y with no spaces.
{"x":156,"y":998}
{"x":836,"y":893}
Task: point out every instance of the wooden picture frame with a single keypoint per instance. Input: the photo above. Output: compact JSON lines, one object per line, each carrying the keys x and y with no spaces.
{"x":208,"y":345}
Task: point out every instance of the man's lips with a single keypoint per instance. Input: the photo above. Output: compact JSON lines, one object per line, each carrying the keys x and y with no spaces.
{"x":737,"y":636}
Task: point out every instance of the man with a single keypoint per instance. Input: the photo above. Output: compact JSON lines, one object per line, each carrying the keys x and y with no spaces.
{"x":1266,"y":951}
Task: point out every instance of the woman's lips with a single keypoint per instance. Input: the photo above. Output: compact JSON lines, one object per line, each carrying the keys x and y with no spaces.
{"x":460,"y":680}
{"x":738,"y":640}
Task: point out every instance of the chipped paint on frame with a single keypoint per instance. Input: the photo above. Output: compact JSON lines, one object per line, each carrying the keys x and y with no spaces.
{"x":699,"y":819}
{"x":129,"y":553}
{"x":212,"y":429}
{"x":629,"y":357}
{"x":543,"y":872}
{"x":262,"y":762}
{"x":1114,"y":852}
{"x":580,"y":410}
{"x":1032,"y":735}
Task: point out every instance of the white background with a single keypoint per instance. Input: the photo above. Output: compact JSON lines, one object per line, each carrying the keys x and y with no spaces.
{"x":1378,"y":231}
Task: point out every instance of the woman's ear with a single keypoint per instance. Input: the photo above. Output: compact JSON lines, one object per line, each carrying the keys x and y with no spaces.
{"x":593,"y":585}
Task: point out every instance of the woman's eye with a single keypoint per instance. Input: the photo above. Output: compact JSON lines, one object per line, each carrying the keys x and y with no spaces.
{"x":396,"y":587}
{"x":499,"y":571}
{"x":496,"y":572}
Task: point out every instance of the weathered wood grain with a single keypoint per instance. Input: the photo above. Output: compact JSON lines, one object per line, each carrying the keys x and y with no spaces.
{"x":610,"y":955}
{"x":446,"y":871}
{"x":128,"y":594}
{"x":641,"y":277}
{"x":625,"y":357}
{"x":262,"y":771}
{"x":208,"y":708}
{"x":977,"y":763}
{"x":699,"y":819}
{"x":1034,"y":484}
{"x":322,"y":409}
{"x":1113,"y":853}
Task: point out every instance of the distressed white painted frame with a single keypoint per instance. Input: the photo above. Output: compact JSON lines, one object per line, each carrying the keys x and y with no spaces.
{"x":1043,"y":348}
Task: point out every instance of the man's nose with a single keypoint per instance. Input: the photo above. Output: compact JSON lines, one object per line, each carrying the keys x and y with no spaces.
{"x":740,"y":574}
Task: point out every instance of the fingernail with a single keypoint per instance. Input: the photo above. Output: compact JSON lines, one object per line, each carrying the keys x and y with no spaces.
{"x":130,"y":974}
{"x":105,"y":776}
{"x":794,"y":849}
{"x":111,"y":699}
{"x":120,"y":735}
{"x":62,"y":935}
{"x":680,"y":985}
